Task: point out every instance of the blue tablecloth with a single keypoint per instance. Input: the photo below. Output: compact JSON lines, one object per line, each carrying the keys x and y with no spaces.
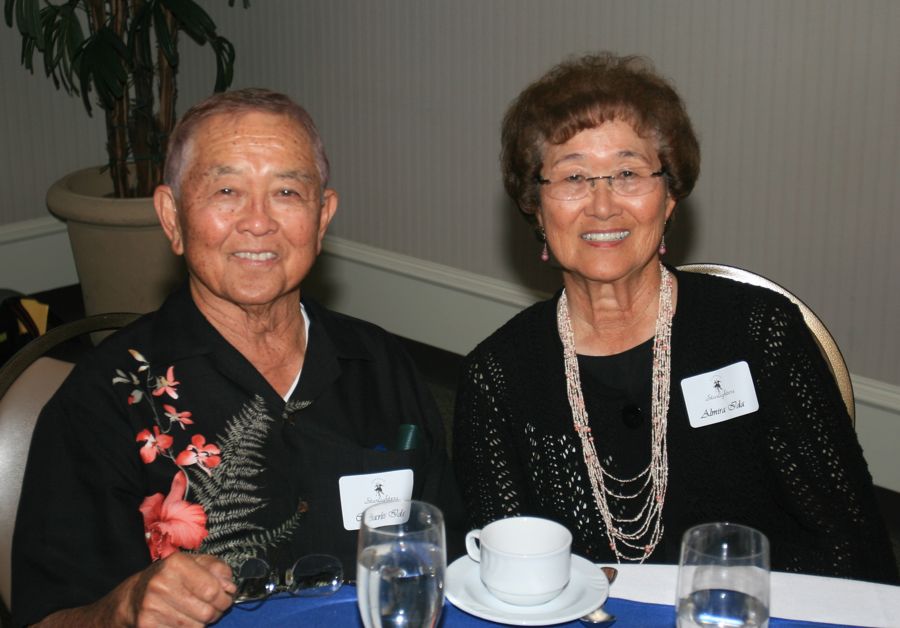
{"x":339,"y":611}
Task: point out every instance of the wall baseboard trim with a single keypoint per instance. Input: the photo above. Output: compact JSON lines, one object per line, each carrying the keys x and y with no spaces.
{"x":875,"y":393}
{"x":30,"y":229}
{"x":438,"y":305}
{"x":502,"y":292}
{"x":431,"y":303}
{"x":35,"y":255}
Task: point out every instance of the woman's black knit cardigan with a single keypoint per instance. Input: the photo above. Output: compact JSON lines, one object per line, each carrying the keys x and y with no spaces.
{"x":793,"y":469}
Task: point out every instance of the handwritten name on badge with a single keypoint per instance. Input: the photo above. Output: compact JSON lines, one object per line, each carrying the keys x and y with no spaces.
{"x":386,"y":515}
{"x":719,"y":395}
{"x":358,"y":492}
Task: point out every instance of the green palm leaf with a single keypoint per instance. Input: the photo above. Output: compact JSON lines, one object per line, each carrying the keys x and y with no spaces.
{"x":192,"y":19}
{"x":164,"y":37}
{"x":118,"y":68}
{"x":101,"y":63}
{"x":64,"y":37}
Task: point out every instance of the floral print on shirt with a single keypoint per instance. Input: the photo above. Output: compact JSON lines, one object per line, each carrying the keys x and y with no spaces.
{"x":205,"y":510}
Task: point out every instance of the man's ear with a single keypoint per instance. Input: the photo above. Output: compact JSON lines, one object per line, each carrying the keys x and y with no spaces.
{"x":167,"y":212}
{"x":326,"y":213}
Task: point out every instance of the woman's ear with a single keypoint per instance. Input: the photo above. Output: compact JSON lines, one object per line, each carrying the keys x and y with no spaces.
{"x":671,"y":203}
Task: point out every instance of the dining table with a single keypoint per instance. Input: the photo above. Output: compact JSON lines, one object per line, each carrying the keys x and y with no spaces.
{"x":642,"y":595}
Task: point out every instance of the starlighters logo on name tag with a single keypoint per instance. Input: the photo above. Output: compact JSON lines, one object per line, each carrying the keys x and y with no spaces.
{"x":358,"y":492}
{"x":719,"y":395}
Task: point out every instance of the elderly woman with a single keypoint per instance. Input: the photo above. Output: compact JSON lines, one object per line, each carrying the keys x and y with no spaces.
{"x":640,"y":401}
{"x":239,"y":419}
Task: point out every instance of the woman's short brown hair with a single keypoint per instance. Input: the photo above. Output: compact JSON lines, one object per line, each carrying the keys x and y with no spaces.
{"x":583,"y":93}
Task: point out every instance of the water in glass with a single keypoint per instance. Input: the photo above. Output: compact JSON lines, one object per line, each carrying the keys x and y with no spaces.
{"x":722,"y":608}
{"x":400,"y":585}
{"x":400,"y":564}
{"x":723,"y":577}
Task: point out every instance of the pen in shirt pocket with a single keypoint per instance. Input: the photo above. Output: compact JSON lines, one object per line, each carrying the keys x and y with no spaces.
{"x":409,"y":436}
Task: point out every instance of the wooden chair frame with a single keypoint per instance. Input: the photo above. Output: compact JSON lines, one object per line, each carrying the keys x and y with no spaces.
{"x":823,"y":337}
{"x":20,"y":413}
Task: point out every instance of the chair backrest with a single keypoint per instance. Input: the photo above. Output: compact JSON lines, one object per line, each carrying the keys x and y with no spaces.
{"x":27,"y":380}
{"x":824,"y":339}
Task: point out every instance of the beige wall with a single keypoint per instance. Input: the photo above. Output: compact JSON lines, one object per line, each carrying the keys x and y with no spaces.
{"x":797,"y":105}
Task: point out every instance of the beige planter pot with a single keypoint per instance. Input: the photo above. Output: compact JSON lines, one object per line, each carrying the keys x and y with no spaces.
{"x":122,"y":256}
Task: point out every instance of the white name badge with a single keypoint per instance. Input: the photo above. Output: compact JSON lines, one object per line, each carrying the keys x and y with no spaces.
{"x":719,"y":395}
{"x":358,"y":492}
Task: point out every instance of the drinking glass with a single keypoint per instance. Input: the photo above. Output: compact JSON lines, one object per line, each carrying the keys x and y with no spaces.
{"x":723,"y":577}
{"x":400,"y":563}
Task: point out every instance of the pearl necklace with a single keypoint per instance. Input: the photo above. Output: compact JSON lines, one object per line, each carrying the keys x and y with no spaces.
{"x":626,"y":534}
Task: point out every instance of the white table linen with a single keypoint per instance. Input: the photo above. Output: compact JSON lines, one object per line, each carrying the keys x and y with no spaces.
{"x":794,"y":596}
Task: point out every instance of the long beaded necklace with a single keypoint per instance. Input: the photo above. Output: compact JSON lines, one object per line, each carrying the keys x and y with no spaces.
{"x":626,"y":534}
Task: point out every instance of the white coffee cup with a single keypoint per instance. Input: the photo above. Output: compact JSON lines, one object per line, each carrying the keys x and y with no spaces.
{"x":524,"y":560}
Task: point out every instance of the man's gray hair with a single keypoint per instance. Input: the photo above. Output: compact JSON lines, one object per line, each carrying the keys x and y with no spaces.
{"x":238,"y":102}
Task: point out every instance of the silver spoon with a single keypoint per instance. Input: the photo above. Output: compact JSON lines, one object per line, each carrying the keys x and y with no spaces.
{"x":600,"y":616}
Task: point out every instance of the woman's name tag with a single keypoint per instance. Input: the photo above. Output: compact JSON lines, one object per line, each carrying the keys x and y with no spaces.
{"x":358,"y":492}
{"x":719,"y":395}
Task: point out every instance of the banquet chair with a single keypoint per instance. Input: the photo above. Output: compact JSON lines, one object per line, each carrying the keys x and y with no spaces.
{"x":822,"y":336}
{"x":27,"y":380}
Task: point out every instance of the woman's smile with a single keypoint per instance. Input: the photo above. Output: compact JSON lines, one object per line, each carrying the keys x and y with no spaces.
{"x":606,"y":236}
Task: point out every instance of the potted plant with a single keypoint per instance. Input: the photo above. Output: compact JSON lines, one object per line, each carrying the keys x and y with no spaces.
{"x":122,"y":57}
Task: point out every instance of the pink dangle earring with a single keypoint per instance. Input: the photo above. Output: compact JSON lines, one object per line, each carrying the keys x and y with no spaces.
{"x":545,"y":254}
{"x":662,"y":241}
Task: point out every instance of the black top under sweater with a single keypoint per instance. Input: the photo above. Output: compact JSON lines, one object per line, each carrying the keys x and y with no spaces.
{"x":793,"y":469}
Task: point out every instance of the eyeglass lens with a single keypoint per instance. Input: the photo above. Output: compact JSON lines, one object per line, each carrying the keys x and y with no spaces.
{"x":314,"y":575}
{"x":574,"y":188}
{"x":255,"y":582}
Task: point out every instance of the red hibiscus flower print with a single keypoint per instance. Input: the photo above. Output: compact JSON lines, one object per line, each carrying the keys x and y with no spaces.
{"x":199,"y":453}
{"x":171,"y":523}
{"x":154,"y":444}
{"x":174,"y":416}
{"x":166,"y":385}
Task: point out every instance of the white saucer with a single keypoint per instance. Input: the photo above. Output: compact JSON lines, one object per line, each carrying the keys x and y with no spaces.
{"x":587,"y":589}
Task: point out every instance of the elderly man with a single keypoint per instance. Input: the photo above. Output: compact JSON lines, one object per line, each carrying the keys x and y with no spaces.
{"x":238,"y":420}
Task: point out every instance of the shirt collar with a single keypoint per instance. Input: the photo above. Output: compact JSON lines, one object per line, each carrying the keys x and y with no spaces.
{"x":181,"y":332}
{"x":331,"y":341}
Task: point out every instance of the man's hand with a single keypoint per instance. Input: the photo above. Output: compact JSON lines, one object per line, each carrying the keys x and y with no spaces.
{"x":180,"y":590}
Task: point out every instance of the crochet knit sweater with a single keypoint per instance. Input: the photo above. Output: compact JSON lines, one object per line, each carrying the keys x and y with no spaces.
{"x":793,"y":469}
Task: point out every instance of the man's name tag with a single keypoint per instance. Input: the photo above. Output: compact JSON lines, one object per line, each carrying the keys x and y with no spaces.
{"x":358,"y":492}
{"x":719,"y":395}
